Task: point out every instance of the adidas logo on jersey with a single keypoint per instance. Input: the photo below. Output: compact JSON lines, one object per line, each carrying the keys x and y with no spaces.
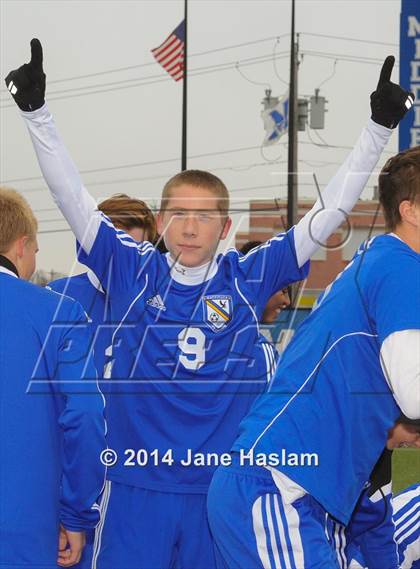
{"x":157,"y":302}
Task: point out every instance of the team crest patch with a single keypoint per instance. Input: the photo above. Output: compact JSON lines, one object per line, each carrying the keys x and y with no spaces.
{"x":217,"y":311}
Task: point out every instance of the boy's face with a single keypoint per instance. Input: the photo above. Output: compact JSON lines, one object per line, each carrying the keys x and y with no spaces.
{"x":275,"y":305}
{"x":402,"y":435}
{"x":192,"y":225}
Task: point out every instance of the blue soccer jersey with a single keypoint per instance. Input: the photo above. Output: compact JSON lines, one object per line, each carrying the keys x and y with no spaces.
{"x":184,"y":368}
{"x":86,"y":289}
{"x":406,"y":506}
{"x":369,"y":537}
{"x":330,"y":401}
{"x":51,"y":423}
{"x":402,"y":535}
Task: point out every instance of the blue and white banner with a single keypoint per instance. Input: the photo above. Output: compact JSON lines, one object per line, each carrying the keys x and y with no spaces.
{"x":276,"y":121}
{"x":409,"y":129}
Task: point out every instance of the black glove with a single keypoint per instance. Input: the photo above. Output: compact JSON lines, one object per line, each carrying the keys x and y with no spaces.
{"x":389,"y":102}
{"x":27,"y":84}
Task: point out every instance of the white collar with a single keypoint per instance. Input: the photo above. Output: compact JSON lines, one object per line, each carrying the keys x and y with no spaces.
{"x":191,"y":275}
{"x":94,"y":281}
{"x":396,"y":236}
{"x":7,"y":272}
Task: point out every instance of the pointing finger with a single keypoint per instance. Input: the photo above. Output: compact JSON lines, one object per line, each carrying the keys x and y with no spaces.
{"x":36,"y":54}
{"x":386,"y":70}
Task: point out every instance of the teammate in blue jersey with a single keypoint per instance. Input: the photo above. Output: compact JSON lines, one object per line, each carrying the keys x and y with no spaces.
{"x":309,"y":444}
{"x":137,"y":220}
{"x":402,"y":535}
{"x":51,"y":421}
{"x":406,"y":506}
{"x":369,"y":540}
{"x":182,"y":377}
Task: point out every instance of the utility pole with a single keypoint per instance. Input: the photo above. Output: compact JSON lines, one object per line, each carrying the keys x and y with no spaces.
{"x":292,"y":178}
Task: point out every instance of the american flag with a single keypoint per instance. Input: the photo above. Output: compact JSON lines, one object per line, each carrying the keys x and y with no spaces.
{"x":170,"y":54}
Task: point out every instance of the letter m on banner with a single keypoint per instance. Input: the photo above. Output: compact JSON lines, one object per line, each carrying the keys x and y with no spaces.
{"x":409,"y":129}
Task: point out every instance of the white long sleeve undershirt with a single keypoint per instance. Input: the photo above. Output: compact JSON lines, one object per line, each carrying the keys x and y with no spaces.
{"x":342,"y":192}
{"x":400,"y":361}
{"x":62,"y":177}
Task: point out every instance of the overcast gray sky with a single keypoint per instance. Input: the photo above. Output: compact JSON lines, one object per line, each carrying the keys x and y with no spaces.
{"x":124,"y":125}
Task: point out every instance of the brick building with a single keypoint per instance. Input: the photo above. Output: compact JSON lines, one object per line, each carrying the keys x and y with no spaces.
{"x":268,"y":217}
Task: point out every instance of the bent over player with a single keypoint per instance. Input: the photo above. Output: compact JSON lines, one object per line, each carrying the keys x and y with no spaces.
{"x":181,"y":378}
{"x":349,"y":371}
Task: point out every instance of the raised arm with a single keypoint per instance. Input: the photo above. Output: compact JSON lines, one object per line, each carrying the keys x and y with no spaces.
{"x":100,"y":241}
{"x":389,"y":103}
{"x":27,"y":86}
{"x":61,"y":175}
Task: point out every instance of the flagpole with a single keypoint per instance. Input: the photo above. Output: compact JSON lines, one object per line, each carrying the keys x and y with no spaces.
{"x":184,"y":92}
{"x":292,"y":130}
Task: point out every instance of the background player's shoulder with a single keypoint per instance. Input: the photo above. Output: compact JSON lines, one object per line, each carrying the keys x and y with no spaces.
{"x":54,"y":299}
{"x":389,"y":243}
{"x":387,"y":256}
{"x":30,"y":302}
{"x":61,"y":285}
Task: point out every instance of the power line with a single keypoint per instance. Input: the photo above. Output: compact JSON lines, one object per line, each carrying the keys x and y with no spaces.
{"x":323,"y":143}
{"x":140,"y":82}
{"x":150,"y":63}
{"x":344,"y":38}
{"x":164,"y":78}
{"x":149,"y":80}
{"x":137,"y":164}
{"x":275,"y":66}
{"x":259,"y":83}
{"x":194,"y":71}
{"x":344,"y":57}
{"x":134,"y":165}
{"x":210,"y":51}
{"x":311,"y":163}
{"x":329,"y":76}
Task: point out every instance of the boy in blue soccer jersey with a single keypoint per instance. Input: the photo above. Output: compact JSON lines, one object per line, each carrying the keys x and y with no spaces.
{"x":182,"y":377}
{"x":51,"y":420}
{"x":350,"y":369}
{"x":137,"y":220}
